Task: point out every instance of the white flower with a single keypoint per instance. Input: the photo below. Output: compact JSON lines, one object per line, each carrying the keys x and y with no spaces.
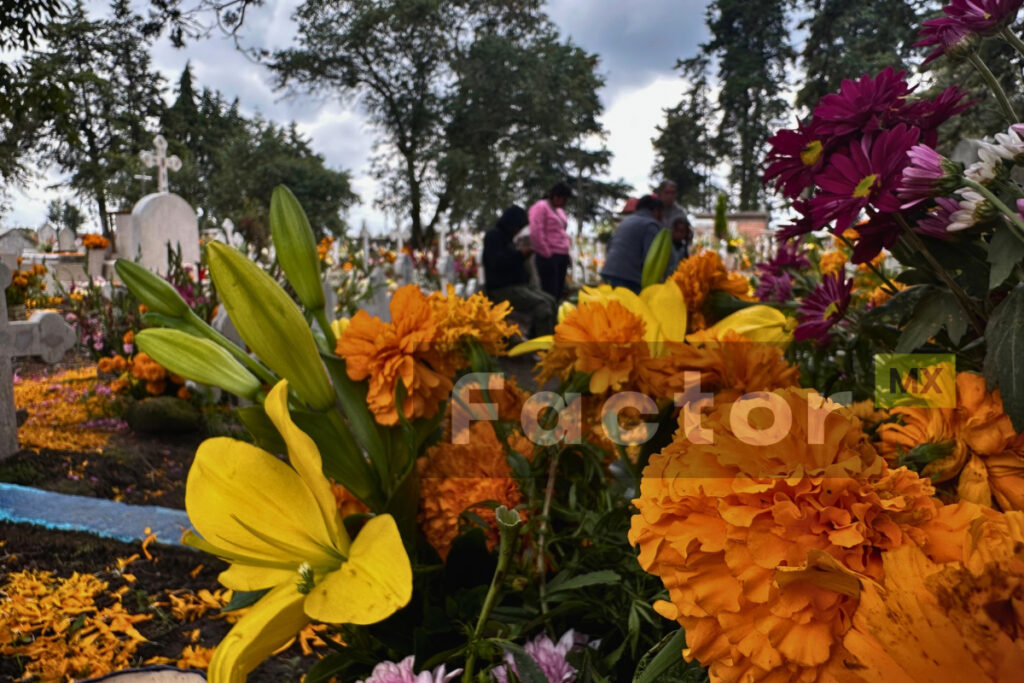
{"x":971,"y":204}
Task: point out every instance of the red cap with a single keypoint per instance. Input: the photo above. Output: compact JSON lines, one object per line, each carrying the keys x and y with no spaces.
{"x":630,"y":206}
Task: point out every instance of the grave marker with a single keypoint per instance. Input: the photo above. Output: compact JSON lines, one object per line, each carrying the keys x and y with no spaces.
{"x":45,"y":334}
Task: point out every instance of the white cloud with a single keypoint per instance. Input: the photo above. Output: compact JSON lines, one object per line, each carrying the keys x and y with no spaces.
{"x":638,"y":42}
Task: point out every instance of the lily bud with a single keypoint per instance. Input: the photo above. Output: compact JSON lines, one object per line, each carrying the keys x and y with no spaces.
{"x":199,"y":360}
{"x":270,"y":324}
{"x":657,"y":258}
{"x":296,"y":247}
{"x":757,"y":323}
{"x":155,"y":292}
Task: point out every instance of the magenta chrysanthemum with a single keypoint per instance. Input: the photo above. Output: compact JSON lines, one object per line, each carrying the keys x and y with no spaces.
{"x":390,"y":672}
{"x":984,"y":17}
{"x":928,"y":115}
{"x":948,"y":35}
{"x":823,"y":308}
{"x":861,"y":105}
{"x":793,"y":160}
{"x":936,"y":222}
{"x":866,"y":175}
{"x":774,"y":287}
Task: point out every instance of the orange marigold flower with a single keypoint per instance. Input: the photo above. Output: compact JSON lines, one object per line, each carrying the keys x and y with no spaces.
{"x":347,"y":503}
{"x":457,"y":319}
{"x":729,"y":365}
{"x":701,"y":274}
{"x":183,"y":393}
{"x":721,"y":522}
{"x":403,"y":349}
{"x":457,"y":477}
{"x":129,"y":337}
{"x":974,"y":442}
{"x":105,"y":364}
{"x":602,"y":338}
{"x":156,"y":387}
{"x":831,"y":262}
{"x":504,"y":401}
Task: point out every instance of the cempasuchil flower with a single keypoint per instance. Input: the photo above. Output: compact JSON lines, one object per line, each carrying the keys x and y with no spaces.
{"x":738,"y":529}
{"x":279,"y":527}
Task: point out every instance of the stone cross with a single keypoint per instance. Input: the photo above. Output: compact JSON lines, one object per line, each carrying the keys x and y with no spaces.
{"x":45,"y":334}
{"x":161,"y":161}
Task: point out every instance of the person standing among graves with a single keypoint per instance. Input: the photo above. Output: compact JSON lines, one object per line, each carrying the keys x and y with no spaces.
{"x":667,"y":193}
{"x":550,"y":239}
{"x":627,"y":250}
{"x":682,"y":235}
{"x":506,"y":277}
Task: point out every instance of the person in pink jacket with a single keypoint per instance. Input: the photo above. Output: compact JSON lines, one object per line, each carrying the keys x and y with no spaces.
{"x":550,"y":239}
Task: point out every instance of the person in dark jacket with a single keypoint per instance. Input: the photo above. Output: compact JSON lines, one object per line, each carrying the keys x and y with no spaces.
{"x":506,"y":277}
{"x":624,"y":264}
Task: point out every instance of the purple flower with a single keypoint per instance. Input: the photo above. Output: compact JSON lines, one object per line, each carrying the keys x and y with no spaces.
{"x":774,"y":287}
{"x":549,"y":656}
{"x":794,"y":159}
{"x":128,"y":348}
{"x":862,"y":105}
{"x":402,"y":672}
{"x":938,"y":219}
{"x":947,"y":35}
{"x":823,"y":308}
{"x":789,"y":255}
{"x":928,"y":115}
{"x":928,"y":174}
{"x":984,"y":17}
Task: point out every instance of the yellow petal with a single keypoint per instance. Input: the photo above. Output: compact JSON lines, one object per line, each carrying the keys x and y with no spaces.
{"x":250,"y":503}
{"x":373,"y":584}
{"x":305,"y":458}
{"x":537,"y":344}
{"x":268,"y":625}
{"x":666,"y":302}
{"x":631,"y":302}
{"x":247,"y":577}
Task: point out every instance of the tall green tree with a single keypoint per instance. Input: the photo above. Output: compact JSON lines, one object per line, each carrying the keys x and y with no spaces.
{"x":61,"y":213}
{"x":749,"y":44}
{"x":846,"y":39}
{"x":110,"y":93}
{"x":684,"y":147}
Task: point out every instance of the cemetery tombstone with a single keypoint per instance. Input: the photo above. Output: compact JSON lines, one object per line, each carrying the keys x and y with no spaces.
{"x":46,"y":334}
{"x":378,"y":305}
{"x":47,"y":235}
{"x":163,"y":219}
{"x":67,"y":240}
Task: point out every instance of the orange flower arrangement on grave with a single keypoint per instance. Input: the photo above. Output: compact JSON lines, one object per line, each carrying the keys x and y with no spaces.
{"x":61,"y":410}
{"x":734,"y":528}
{"x":456,"y":478}
{"x":701,"y":274}
{"x":974,"y":443}
{"x":94,"y":241}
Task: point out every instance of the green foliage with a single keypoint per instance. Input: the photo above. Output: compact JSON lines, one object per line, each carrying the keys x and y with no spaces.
{"x":721,"y":224}
{"x":684,"y":150}
{"x":846,"y":39}
{"x":1004,"y":360}
{"x":749,"y":43}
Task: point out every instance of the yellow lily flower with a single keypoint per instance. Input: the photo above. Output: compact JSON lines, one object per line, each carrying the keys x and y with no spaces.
{"x":756,"y":323}
{"x":280,"y":528}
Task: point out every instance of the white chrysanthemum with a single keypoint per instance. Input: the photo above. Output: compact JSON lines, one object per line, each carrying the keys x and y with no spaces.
{"x":971,"y":206}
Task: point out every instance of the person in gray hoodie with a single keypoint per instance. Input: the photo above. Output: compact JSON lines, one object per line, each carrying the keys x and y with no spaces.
{"x":624,"y":263}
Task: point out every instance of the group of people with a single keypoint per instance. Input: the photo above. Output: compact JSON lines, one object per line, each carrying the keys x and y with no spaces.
{"x":508,"y":247}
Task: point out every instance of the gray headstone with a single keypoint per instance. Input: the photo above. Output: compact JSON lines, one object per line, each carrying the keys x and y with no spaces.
{"x":379,"y":302}
{"x":47,"y":235}
{"x":45,"y":334}
{"x":406,"y":269}
{"x":10,"y":260}
{"x":161,"y":219}
{"x":94,"y":260}
{"x":125,"y":237}
{"x":67,"y":240}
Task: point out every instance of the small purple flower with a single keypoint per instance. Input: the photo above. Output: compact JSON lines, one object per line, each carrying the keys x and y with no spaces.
{"x":939,"y":217}
{"x":948,"y":35}
{"x":128,"y":348}
{"x":550,"y":657}
{"x":823,"y":308}
{"x":774,"y":287}
{"x":929,"y":174}
{"x":390,"y":672}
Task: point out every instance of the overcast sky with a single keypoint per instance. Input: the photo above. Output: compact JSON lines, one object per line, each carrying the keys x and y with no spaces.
{"x":638,"y":43}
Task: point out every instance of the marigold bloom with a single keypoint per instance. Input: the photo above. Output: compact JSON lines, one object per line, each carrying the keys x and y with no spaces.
{"x":831,"y":262}
{"x":701,"y":274}
{"x":403,"y":349}
{"x":720,"y":523}
{"x":477,"y":317}
{"x":456,"y":477}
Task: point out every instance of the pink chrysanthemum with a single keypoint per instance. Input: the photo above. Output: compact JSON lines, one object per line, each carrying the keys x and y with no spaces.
{"x":390,"y":672}
{"x":862,"y":105}
{"x":793,"y":160}
{"x":928,"y":174}
{"x":549,"y":656}
{"x":823,"y":308}
{"x":939,"y":217}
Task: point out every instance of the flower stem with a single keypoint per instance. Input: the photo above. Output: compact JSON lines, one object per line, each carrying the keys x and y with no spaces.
{"x":993,"y":84}
{"x":542,"y":532}
{"x":881,"y":276}
{"x":974,"y":315}
{"x":1012,"y":39}
{"x":1016,"y":223}
{"x":325,"y":326}
{"x":508,"y":524}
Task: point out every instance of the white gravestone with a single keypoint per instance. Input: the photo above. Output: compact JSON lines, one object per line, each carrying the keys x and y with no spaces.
{"x":124,"y":237}
{"x":45,"y":334}
{"x":164,"y":219}
{"x":94,"y":260}
{"x":67,"y":240}
{"x":46,"y":235}
{"x":380,"y":301}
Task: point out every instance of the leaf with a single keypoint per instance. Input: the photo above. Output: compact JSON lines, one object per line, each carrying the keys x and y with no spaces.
{"x":597,"y":578}
{"x":526,"y":667}
{"x":936,"y":310}
{"x":242,"y":599}
{"x":1004,"y":252}
{"x":263,"y":431}
{"x":669,"y":655}
{"x":897,"y":309}
{"x":1004,"y":358}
